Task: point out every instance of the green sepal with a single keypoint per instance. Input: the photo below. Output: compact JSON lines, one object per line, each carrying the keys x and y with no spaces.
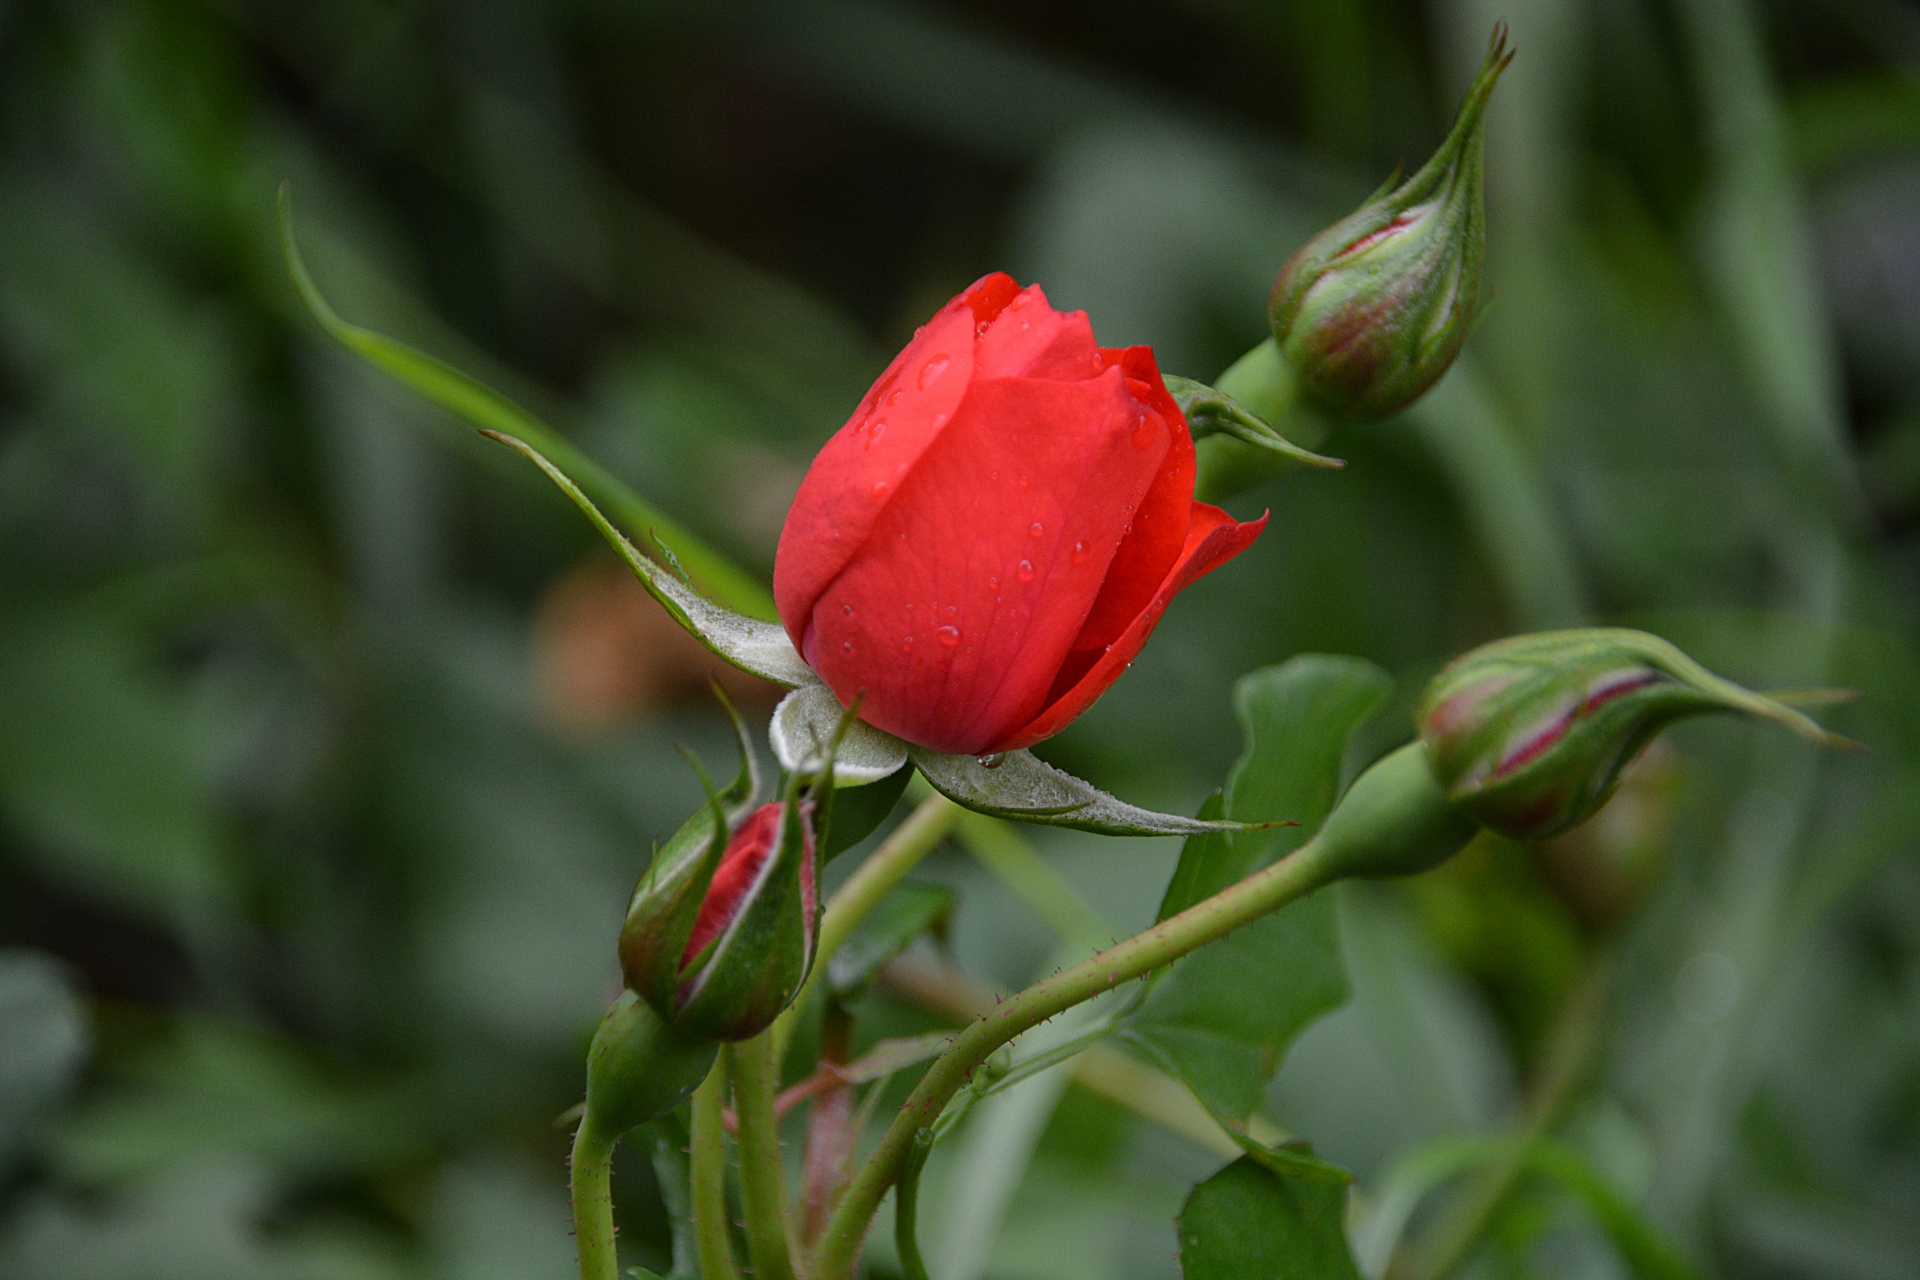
{"x":757,"y":647}
{"x":468,"y":398}
{"x":810,"y":721}
{"x":1020,"y":786}
{"x":1212,"y":412}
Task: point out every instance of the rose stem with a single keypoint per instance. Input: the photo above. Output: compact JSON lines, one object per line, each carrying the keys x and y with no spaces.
{"x":708,"y":1174}
{"x":751,"y":1064}
{"x":592,"y":1172}
{"x":1267,"y":890}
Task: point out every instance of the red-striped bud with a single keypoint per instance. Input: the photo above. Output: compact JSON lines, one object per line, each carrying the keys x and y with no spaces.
{"x":1374,"y":309}
{"x":1528,"y":735}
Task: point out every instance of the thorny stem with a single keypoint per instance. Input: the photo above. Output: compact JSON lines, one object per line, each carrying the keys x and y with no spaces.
{"x":898,"y":854}
{"x":1285,"y":881}
{"x":751,"y":1065}
{"x":708,"y":1174}
{"x":592,"y":1173}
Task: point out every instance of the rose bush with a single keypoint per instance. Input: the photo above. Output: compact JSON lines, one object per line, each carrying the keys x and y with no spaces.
{"x":984,"y":547}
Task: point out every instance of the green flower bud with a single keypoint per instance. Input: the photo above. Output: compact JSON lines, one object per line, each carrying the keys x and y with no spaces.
{"x":1374,"y":309}
{"x":639,"y":1068}
{"x":721,"y":933}
{"x":1528,"y":735}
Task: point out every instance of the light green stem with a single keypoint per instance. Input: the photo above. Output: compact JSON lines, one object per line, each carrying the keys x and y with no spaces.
{"x":884,"y":868}
{"x":1267,"y":890}
{"x":762,"y":1188}
{"x":592,"y":1175}
{"x":708,"y":1174}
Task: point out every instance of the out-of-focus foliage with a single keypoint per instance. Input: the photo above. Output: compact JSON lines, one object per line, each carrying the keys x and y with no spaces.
{"x":329,"y":751}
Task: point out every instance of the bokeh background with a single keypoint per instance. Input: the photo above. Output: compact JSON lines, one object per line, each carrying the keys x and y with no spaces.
{"x":330,"y":741}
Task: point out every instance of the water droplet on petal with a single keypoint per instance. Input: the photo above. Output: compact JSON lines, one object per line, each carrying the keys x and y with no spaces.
{"x":994,"y":582}
{"x":879,"y":488}
{"x":1143,"y":434}
{"x":993,"y":761}
{"x":847,"y":645}
{"x":1079,"y":552}
{"x":939,"y":419}
{"x":933,"y":369}
{"x":893,"y":396}
{"x":847,"y":609}
{"x":983,"y":326}
{"x":906,"y":645}
{"x":1025,"y":571}
{"x":949,"y":636}
{"x":1036,"y":529}
{"x":875,"y":429}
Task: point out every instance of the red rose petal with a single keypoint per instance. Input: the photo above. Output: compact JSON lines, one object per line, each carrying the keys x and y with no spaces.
{"x":1213,"y":538}
{"x":1159,"y":525}
{"x":959,"y":609}
{"x":859,"y":470}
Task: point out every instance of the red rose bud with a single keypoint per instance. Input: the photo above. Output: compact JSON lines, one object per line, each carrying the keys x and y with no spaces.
{"x":1374,"y":309}
{"x":640,"y":1067}
{"x":984,"y":547}
{"x":721,"y":932}
{"x":1528,"y":736}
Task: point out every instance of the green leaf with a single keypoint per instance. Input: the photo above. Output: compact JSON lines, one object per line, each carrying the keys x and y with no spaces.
{"x":803,"y":727}
{"x":1296,"y":718}
{"x":755,"y":646}
{"x":1249,"y":1223}
{"x":1020,"y":786}
{"x":1206,"y":1023}
{"x":902,"y":916}
{"x":490,"y":411}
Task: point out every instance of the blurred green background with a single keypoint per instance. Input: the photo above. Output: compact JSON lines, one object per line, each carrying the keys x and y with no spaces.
{"x":330,"y":741}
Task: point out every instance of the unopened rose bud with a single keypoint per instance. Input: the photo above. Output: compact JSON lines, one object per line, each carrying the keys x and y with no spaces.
{"x":639,"y":1067}
{"x":1374,"y":309}
{"x":721,"y":932}
{"x":1528,"y":736}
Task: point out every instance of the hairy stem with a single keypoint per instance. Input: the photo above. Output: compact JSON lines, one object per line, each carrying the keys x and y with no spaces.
{"x":1285,"y":881}
{"x":875,"y":878}
{"x":592,"y":1176}
{"x":708,"y":1174}
{"x":751,"y":1065}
